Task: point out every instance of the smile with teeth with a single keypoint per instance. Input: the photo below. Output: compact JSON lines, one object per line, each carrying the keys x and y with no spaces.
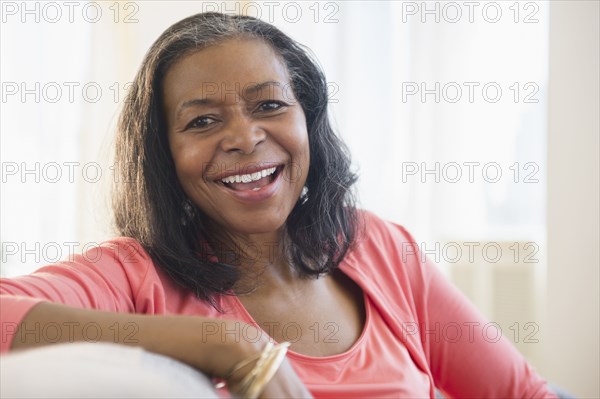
{"x":251,"y":181}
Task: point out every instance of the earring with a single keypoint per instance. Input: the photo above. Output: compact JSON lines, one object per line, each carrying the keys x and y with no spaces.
{"x":304,"y":195}
{"x":188,"y":212}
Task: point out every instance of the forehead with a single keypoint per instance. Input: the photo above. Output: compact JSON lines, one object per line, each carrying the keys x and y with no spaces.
{"x":223,"y":68}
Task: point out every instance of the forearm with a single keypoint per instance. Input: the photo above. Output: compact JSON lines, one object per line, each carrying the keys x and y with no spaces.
{"x":197,"y":341}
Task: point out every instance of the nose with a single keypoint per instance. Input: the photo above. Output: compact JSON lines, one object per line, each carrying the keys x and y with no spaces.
{"x":242,"y":134}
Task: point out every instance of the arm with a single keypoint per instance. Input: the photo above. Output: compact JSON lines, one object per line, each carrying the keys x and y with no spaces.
{"x":472,"y":359}
{"x":197,"y":341}
{"x":98,"y":297}
{"x":95,"y":297}
{"x":466,"y":354}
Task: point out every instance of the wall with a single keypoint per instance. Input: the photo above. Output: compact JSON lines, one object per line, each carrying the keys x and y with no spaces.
{"x":573,"y":184}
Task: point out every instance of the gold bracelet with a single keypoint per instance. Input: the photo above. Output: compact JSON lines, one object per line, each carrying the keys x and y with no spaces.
{"x":250,"y":377}
{"x":238,"y":366}
{"x":266,"y":373}
{"x":267,"y":364}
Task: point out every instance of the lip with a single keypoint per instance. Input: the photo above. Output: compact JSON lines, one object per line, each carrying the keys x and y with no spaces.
{"x":264,"y":193}
{"x":245,"y":170}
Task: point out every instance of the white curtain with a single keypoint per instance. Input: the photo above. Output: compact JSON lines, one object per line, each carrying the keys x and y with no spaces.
{"x":414,"y":92}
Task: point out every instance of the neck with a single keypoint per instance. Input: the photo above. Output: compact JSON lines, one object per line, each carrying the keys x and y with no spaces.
{"x":261,"y":257}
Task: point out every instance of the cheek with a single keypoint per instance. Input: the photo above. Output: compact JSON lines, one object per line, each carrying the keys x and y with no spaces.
{"x":296,"y":140}
{"x":300,"y":148}
{"x":189,"y":161}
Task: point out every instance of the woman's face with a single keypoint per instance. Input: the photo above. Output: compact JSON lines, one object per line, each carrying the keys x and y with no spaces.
{"x":237,"y":135}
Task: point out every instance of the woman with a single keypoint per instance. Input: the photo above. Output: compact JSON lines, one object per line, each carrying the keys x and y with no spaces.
{"x":238,"y":227}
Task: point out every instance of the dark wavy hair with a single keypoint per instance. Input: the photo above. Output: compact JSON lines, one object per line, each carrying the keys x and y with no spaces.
{"x":149,"y":203}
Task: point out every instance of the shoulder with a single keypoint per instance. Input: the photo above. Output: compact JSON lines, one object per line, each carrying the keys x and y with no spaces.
{"x":378,"y":225}
{"x":386,"y":262}
{"x":120,"y":260}
{"x":125,"y":254}
{"x":386,"y":252}
{"x":377,"y":234}
{"x":126,"y":250}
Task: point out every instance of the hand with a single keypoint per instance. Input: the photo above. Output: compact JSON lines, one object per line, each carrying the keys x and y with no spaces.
{"x":284,"y":384}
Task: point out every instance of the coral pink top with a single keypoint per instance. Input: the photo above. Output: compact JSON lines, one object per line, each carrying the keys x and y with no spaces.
{"x":420,"y":331}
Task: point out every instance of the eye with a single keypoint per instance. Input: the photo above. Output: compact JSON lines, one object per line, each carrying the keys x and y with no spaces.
{"x":201,"y":122}
{"x":271,"y":105}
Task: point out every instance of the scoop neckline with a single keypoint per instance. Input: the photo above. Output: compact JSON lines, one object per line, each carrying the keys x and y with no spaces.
{"x":299,"y":356}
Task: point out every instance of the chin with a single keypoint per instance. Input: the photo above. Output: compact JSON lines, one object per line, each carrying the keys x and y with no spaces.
{"x":254,"y":226}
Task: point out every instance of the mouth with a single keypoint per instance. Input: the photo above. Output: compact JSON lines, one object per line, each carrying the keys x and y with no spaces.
{"x":252,"y":181}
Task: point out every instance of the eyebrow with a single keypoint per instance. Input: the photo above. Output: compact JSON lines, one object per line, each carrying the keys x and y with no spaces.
{"x":248,"y":89}
{"x":259,"y":86}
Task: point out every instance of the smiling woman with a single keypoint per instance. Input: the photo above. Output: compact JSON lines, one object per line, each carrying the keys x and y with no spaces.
{"x":249,"y":101}
{"x":253,"y":131}
{"x":240,"y":238}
